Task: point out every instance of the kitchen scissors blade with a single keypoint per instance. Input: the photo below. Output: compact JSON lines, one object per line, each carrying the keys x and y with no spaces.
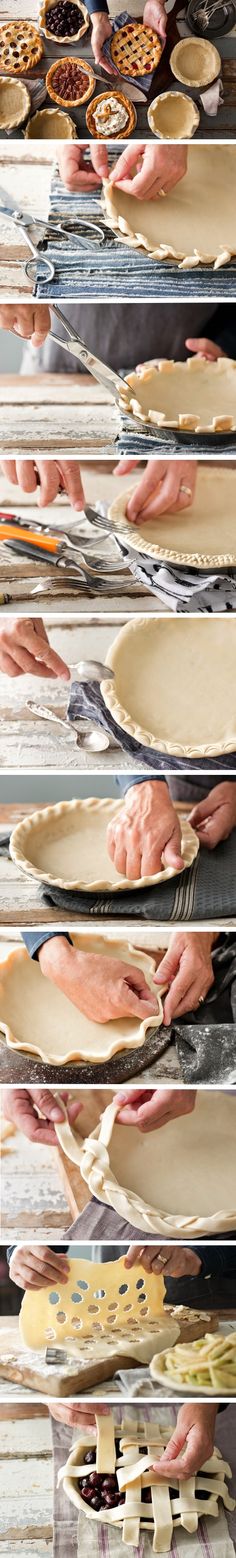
{"x":26,"y":222}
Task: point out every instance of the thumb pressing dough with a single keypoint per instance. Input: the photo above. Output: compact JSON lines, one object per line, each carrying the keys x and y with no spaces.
{"x":190,"y":224}
{"x":176,"y":1181}
{"x":39,"y":1019}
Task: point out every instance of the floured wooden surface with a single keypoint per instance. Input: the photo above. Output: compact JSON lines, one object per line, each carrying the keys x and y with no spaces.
{"x":82,"y":416}
{"x":27,"y":180}
{"x":26,"y":1480}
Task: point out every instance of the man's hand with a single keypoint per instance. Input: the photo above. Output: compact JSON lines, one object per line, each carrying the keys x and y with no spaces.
{"x":75,"y":170}
{"x":215,"y":817}
{"x":164,"y":1259}
{"x":101,"y":30}
{"x":36,"y":1266}
{"x":146,"y":835}
{"x":154,"y":15}
{"x":187,"y":968}
{"x":166,"y":487}
{"x":155,"y":1107}
{"x":194,"y":1435}
{"x":148,"y":171}
{"x":30,"y":320}
{"x":76,"y":1416}
{"x":24,"y":1106}
{"x":204,"y":348}
{"x":103,"y":988}
{"x":47,"y":478}
{"x":24,"y":647}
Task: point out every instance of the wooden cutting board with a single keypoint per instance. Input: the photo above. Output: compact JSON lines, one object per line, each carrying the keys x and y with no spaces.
{"x":30,"y":1370}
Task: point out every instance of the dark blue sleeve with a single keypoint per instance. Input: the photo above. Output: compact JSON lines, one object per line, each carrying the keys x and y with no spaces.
{"x":222,"y":329}
{"x":97,"y":5}
{"x":126,"y":784}
{"x":218,"y":1260}
{"x":34,"y":939}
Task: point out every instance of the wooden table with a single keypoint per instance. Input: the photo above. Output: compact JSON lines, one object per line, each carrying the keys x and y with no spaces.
{"x":26,"y":176}
{"x":111,"y":1388}
{"x":222,"y":126}
{"x":19,"y":575}
{"x":39,"y":1200}
{"x":26,"y":1483}
{"x":57,"y":414}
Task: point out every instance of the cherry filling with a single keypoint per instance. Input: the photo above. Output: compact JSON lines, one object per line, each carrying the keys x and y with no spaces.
{"x":64,"y":18}
{"x":101,"y":1490}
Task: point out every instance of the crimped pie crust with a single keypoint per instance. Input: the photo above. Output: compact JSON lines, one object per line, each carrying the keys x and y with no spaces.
{"x":190,"y":1167}
{"x":21,"y":47}
{"x":15,"y":103}
{"x":113,"y":135}
{"x":51,"y":124}
{"x":173,"y":117}
{"x":135,"y":49}
{"x":72,"y":38}
{"x":180,"y":538}
{"x":70,"y":102}
{"x":62,"y":822}
{"x":40,"y":1020}
{"x":166,"y":671}
{"x":195,"y":61}
{"x":208,"y":389}
{"x":188,"y":225}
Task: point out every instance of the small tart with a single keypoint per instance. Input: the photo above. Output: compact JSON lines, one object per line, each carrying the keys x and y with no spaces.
{"x":64,"y":36}
{"x":50,"y":124}
{"x":173,"y":117}
{"x":101,"y":113}
{"x":166,"y":671}
{"x":202,"y":536}
{"x":15,"y":103}
{"x":70,"y":82}
{"x":21,"y":47}
{"x":135,"y":49}
{"x":195,"y":61}
{"x":67,"y":846}
{"x":160,"y":395}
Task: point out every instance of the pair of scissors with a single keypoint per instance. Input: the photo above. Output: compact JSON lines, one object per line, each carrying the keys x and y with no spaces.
{"x":34,"y":224}
{"x":74,"y":344}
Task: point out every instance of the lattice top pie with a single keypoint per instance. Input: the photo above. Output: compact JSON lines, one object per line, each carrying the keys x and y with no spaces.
{"x":135,"y":49}
{"x":115,"y":1482}
{"x":20,"y":47}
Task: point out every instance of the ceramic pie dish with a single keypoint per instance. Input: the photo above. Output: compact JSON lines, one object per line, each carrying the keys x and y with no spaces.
{"x":123,"y":1458}
{"x":50,"y":124}
{"x":178,"y":1182}
{"x":64,"y":20}
{"x":40,"y":1020}
{"x":205,"y":1367}
{"x":70,"y":82}
{"x":15,"y":103}
{"x":135,"y":50}
{"x":111,"y":114}
{"x":203,"y":536}
{"x":195,"y":61}
{"x":173,"y":117}
{"x":189,"y":225}
{"x":67,"y":846}
{"x":166,"y":671}
{"x":194,"y":396}
{"x":21,"y":47}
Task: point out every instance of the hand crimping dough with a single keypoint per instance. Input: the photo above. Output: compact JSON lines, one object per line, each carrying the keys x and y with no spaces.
{"x":189,"y":224}
{"x":66,"y":845}
{"x":173,"y":117}
{"x":197,"y":396}
{"x":187,"y":1169}
{"x":167,"y":1510}
{"x":195,"y":61}
{"x":39,"y":1019}
{"x":174,"y":684}
{"x":203,"y":536}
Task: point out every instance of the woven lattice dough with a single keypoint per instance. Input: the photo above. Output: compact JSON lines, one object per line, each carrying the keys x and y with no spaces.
{"x":166,"y":672}
{"x":203,"y":536}
{"x":67,"y":845}
{"x":188,"y":224}
{"x":197,"y":396}
{"x":40,"y":1019}
{"x":176,"y":1181}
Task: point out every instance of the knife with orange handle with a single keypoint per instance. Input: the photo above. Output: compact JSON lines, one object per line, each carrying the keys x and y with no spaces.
{"x":38,"y":544}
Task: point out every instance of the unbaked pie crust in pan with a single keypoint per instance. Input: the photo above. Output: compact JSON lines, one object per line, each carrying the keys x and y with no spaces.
{"x":202,"y":536}
{"x":66,"y":845}
{"x":195,"y":396}
{"x":174,"y":684}
{"x":192,"y":224}
{"x":40,"y":1020}
{"x":177,"y":1182}
{"x":195,"y":61}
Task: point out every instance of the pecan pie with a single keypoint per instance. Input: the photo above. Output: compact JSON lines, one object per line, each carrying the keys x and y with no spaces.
{"x":69,"y":82}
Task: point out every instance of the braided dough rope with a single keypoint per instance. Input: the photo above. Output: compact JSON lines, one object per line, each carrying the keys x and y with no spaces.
{"x":161,"y":393}
{"x":203,"y":1145}
{"x":168,"y":1509}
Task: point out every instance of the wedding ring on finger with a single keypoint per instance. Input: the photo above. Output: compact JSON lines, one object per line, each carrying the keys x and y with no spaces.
{"x":186,"y":490}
